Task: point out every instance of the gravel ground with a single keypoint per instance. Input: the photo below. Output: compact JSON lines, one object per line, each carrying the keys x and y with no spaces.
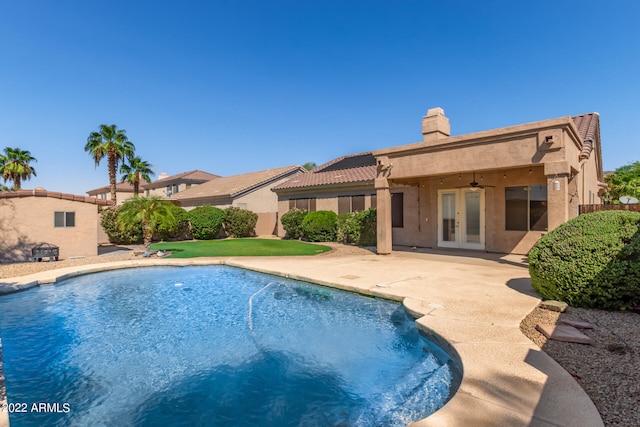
{"x":608,"y":370}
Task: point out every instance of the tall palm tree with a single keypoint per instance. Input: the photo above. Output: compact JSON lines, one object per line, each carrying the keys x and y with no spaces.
{"x":14,"y":166}
{"x":136,"y":170}
{"x":113,"y":144}
{"x":151,"y":212}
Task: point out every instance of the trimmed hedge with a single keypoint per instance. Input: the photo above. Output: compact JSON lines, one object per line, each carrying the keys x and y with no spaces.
{"x":292,"y":223}
{"x":119,"y":235}
{"x":206,"y":222}
{"x":320,"y":226}
{"x":591,"y":261}
{"x":239,"y":222}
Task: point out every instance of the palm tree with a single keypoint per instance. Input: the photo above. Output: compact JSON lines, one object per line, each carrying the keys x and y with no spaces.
{"x":113,"y":144}
{"x":151,"y":212}
{"x":136,"y":170}
{"x":14,"y":165}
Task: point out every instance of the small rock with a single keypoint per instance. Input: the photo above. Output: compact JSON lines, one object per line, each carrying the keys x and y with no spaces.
{"x":554,"y":305}
{"x":617,"y":348}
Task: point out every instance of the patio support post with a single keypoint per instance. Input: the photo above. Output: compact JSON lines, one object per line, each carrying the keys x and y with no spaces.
{"x":383,"y":216}
{"x":558,"y":201}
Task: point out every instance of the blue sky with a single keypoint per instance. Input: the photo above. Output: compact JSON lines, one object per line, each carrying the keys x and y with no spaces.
{"x":237,"y":86}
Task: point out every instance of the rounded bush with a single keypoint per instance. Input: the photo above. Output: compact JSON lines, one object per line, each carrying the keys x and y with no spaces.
{"x":206,"y":222}
{"x":320,"y":226}
{"x":591,"y":261}
{"x":239,"y":222}
{"x":292,"y":223}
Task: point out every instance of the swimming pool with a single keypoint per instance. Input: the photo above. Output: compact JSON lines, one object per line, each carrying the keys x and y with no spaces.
{"x":215,"y":346}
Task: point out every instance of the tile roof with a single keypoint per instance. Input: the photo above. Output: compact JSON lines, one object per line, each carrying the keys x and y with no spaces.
{"x":194,"y":176}
{"x":353,"y":168}
{"x":44,"y":193}
{"x":231,"y":186}
{"x":588,"y":125}
{"x":589,"y":128}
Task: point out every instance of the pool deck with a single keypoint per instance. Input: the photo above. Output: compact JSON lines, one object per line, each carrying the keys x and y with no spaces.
{"x":474,"y":302}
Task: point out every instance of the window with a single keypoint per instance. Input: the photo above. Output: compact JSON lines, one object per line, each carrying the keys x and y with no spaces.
{"x":176,"y":188}
{"x":308,"y":205}
{"x":349,"y":204}
{"x":64,"y":219}
{"x":374,"y":201}
{"x":526,"y":208}
{"x":397,"y":210}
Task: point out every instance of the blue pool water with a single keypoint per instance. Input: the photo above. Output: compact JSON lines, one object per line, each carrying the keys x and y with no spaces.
{"x":214,"y":346}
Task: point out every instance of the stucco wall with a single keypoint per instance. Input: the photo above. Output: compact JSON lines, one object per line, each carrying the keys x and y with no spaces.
{"x":27,"y":221}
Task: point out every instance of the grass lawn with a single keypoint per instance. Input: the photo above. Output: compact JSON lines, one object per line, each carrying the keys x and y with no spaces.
{"x":239,"y":247}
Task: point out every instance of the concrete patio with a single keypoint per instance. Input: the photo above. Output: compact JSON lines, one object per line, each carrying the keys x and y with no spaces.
{"x":470,"y":303}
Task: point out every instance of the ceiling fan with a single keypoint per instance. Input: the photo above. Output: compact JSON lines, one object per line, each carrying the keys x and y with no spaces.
{"x":476,"y":184}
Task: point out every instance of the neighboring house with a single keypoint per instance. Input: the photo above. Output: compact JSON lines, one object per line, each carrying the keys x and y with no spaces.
{"x":250,"y":191}
{"x":498,"y":190}
{"x":166,"y":186}
{"x":124,"y":191}
{"x":343,"y":185}
{"x":29,"y":217}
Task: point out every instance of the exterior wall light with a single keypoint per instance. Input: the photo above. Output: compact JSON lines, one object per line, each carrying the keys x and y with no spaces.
{"x":556,"y":185}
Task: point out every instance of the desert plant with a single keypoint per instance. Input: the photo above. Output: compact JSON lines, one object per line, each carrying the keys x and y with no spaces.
{"x":591,"y":261}
{"x":239,"y":222}
{"x":123,"y":236}
{"x":206,"y":222}
{"x":292,"y":223}
{"x":320,"y":226}
{"x":150,"y":213}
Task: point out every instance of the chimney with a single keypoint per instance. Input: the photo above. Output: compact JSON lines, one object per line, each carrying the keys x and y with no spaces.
{"x":163,"y":175}
{"x":435,"y":125}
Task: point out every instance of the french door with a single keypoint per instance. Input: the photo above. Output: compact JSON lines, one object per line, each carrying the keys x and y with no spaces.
{"x":461,"y":218}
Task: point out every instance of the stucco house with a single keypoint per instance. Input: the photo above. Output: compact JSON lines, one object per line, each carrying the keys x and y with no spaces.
{"x":29,"y":217}
{"x":167,"y":185}
{"x":164,"y":186}
{"x":343,"y":185}
{"x":498,"y":190}
{"x":250,"y":191}
{"x":124,"y":191}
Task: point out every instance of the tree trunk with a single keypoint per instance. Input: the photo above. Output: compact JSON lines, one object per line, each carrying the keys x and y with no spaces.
{"x":147,"y":238}
{"x":112,"y":161}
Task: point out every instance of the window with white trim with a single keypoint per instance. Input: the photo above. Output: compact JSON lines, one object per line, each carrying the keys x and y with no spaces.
{"x":64,"y":219}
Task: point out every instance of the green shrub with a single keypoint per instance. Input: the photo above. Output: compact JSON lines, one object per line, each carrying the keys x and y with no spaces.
{"x":206,"y":222}
{"x":181,"y":230}
{"x":591,"y":261}
{"x":320,"y":226}
{"x":122,"y":236}
{"x":358,"y":228}
{"x":368,"y":227}
{"x":292,"y":223}
{"x":239,"y":222}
